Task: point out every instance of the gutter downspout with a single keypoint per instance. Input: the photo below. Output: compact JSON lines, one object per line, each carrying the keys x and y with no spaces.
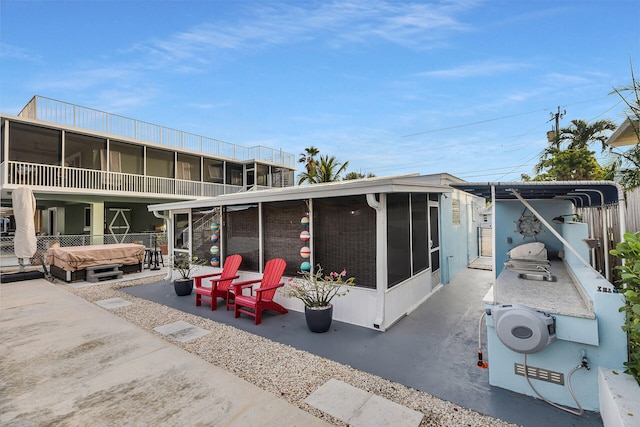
{"x":381,"y":258}
{"x":169,"y":228}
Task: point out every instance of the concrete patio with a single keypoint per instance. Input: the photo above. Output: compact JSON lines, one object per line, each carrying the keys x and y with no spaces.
{"x":433,"y":349}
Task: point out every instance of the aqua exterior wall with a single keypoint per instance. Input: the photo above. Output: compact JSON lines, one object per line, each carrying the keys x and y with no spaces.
{"x":601,"y":337}
{"x":458,"y":242}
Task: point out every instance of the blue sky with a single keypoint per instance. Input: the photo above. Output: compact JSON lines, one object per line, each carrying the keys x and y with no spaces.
{"x":394,"y":87}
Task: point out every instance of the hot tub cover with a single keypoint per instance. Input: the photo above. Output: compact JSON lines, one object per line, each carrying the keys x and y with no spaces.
{"x":74,"y":258}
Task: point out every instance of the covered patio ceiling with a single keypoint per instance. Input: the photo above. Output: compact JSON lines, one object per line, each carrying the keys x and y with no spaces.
{"x":581,"y":193}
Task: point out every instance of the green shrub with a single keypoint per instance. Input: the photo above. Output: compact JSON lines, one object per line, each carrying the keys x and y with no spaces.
{"x":629,"y":250}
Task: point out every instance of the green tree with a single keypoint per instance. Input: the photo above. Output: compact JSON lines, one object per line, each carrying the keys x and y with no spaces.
{"x":570,"y":165}
{"x":581,"y":134}
{"x":309,"y":159}
{"x":357,"y":175}
{"x":568,"y":158}
{"x":327,"y":169}
{"x":629,"y":250}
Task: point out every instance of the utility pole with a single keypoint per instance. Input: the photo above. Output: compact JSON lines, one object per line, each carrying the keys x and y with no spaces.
{"x":553,"y":135}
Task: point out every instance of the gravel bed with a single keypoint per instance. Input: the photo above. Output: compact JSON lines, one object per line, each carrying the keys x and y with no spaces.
{"x":277,"y":368}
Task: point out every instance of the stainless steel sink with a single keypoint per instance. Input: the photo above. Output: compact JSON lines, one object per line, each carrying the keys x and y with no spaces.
{"x":537,"y":276}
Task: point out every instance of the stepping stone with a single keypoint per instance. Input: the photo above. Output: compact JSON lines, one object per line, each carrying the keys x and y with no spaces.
{"x":112,"y":303}
{"x":181,"y":331}
{"x":359,"y":408}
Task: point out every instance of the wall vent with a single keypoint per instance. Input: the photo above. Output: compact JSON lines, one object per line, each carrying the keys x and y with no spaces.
{"x":539,"y":374}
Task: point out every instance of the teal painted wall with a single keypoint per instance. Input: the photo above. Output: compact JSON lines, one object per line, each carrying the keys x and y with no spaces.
{"x":459,"y":242}
{"x":601,"y":338}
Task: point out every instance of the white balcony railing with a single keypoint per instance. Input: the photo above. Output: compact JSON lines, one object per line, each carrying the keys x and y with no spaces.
{"x":58,"y":177}
{"x":63,"y":113}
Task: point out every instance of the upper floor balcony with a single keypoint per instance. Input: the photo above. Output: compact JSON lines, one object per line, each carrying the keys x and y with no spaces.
{"x":61,"y":179}
{"x":56,"y":147}
{"x":69,"y":115}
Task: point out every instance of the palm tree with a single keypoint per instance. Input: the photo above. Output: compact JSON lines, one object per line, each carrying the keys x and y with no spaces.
{"x":581,"y":134}
{"x":576,"y":162}
{"x":328,"y":169}
{"x":309,"y":158}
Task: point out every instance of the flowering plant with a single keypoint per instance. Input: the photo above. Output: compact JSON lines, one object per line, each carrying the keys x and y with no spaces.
{"x":317,"y":289}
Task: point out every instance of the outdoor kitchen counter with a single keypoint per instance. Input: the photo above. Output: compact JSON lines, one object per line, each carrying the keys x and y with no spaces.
{"x":559,"y":297}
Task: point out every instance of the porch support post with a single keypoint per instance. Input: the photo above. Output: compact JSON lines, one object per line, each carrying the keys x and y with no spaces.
{"x":169,"y":230}
{"x":97,"y":223}
{"x":493,"y":242}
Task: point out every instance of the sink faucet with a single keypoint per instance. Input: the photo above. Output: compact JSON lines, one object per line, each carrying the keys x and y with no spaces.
{"x":546,"y":270}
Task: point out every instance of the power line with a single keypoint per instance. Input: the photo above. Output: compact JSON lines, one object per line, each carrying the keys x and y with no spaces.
{"x":473,"y":123}
{"x":505,"y":117}
{"x":512,"y":169}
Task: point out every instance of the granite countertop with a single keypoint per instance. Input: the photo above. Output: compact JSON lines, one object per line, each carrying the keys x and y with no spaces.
{"x":559,"y":297}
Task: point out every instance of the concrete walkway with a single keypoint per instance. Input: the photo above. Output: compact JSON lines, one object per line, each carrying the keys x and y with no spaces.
{"x":66,"y":361}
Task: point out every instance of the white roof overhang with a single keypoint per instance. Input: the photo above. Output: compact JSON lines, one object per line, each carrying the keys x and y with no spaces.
{"x":627,"y":134}
{"x":398,"y":184}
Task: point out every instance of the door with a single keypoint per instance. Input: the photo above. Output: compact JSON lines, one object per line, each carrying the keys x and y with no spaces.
{"x":434,"y":241}
{"x":181,"y":233}
{"x":53,"y":221}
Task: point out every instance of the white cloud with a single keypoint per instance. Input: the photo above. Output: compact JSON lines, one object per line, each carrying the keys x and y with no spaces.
{"x":8,"y":51}
{"x":413,"y":25}
{"x":487,"y":68}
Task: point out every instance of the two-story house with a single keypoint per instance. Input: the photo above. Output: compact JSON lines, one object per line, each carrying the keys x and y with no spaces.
{"x":94,"y":172}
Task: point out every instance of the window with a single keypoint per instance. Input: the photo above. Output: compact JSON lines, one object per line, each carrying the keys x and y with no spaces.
{"x":240,"y":233}
{"x":398,"y":238}
{"x":181,"y":231}
{"x":160,"y":163}
{"x":34,"y":144}
{"x":87,"y":218}
{"x":262,"y":173}
{"x":213,"y":171}
{"x":409,"y":219}
{"x":128,"y":158}
{"x":281,"y":231}
{"x":234,"y":174}
{"x":82,"y":151}
{"x":344,"y":231}
{"x":419,"y":232}
{"x":188,"y":167}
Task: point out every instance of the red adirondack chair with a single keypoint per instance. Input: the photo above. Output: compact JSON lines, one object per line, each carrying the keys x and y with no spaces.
{"x":253,"y":305}
{"x":219,"y":285}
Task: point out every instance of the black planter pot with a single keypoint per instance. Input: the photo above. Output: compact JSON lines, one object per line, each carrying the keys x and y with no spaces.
{"x":183,"y":287}
{"x":319,"y":318}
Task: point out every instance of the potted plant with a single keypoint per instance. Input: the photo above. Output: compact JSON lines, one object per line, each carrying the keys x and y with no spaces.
{"x":161,"y":240}
{"x":316,"y":290}
{"x":185,"y":265}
